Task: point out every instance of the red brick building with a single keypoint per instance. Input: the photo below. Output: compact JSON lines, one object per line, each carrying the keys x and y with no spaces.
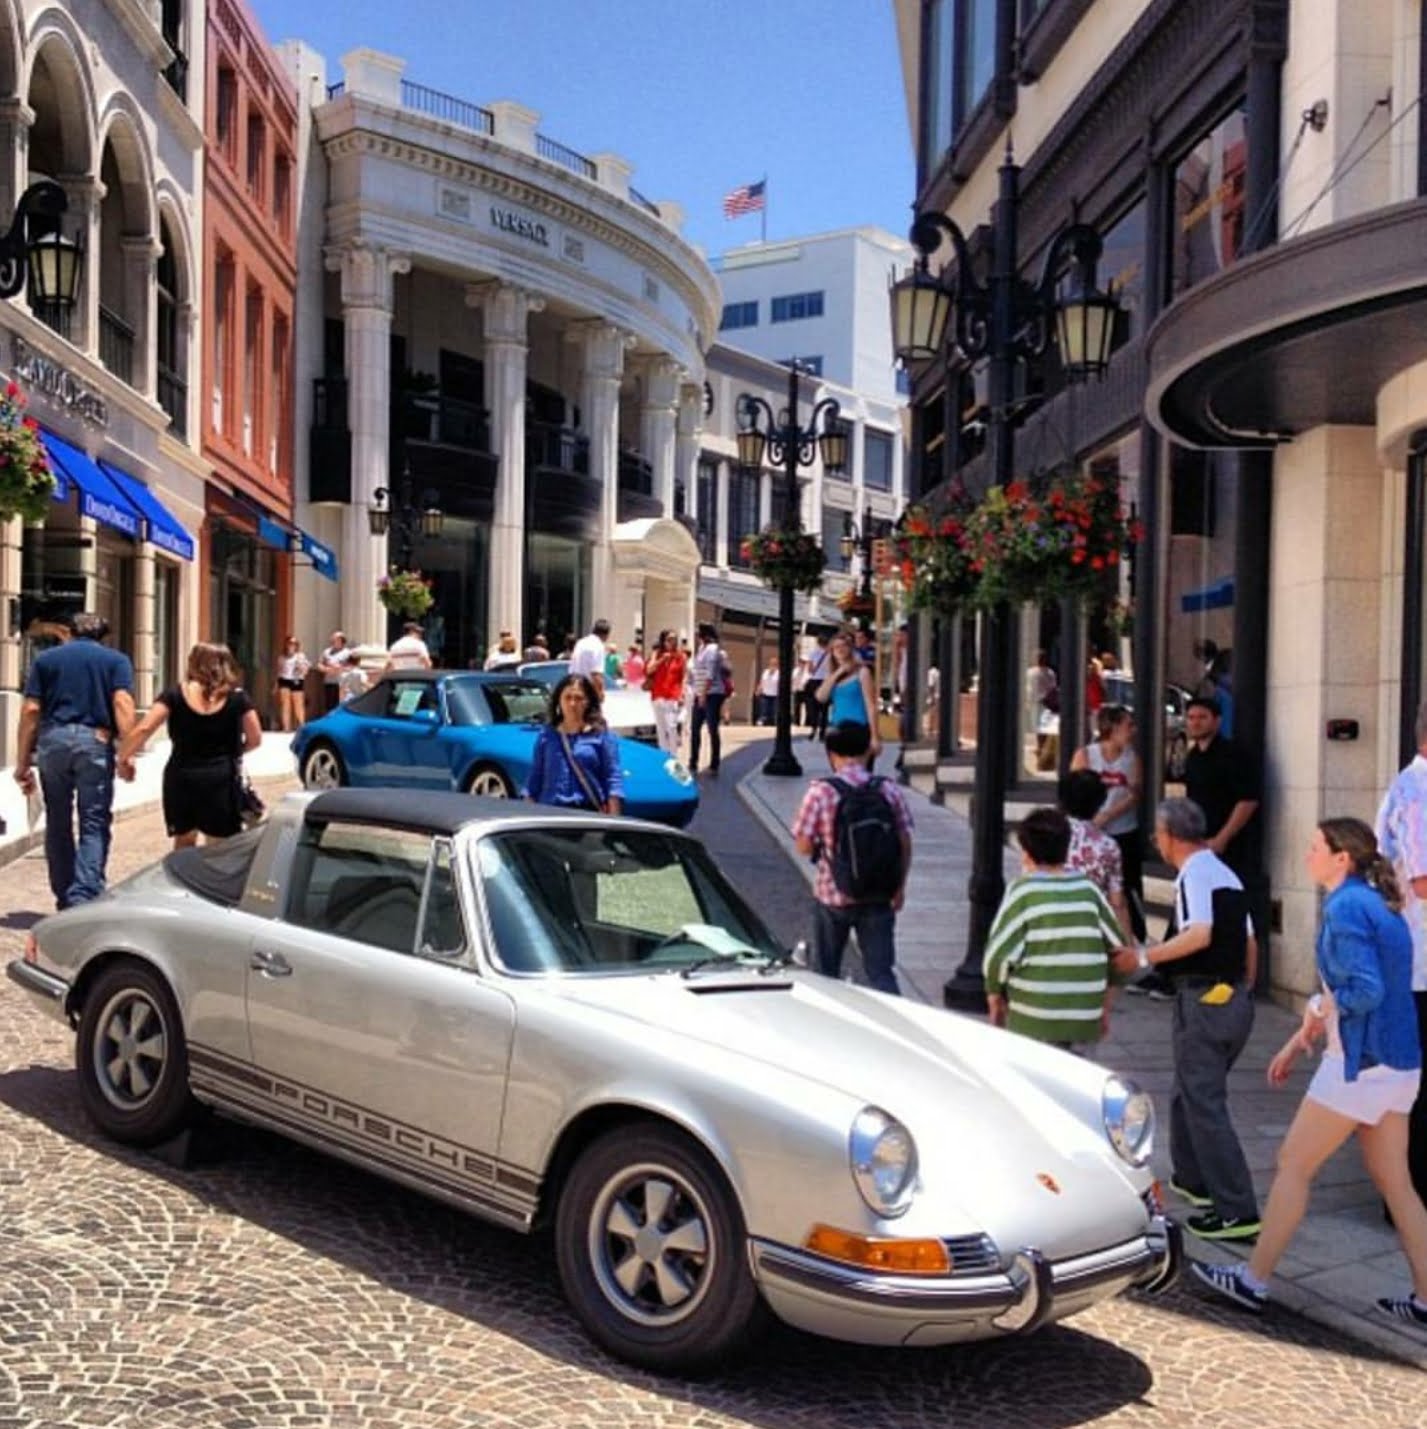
{"x":246,"y":400}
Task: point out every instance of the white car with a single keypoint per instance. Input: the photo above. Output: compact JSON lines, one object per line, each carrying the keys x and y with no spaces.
{"x":627,"y":711}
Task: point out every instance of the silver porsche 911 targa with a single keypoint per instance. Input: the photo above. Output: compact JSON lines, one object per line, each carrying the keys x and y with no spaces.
{"x":574,"y":1022}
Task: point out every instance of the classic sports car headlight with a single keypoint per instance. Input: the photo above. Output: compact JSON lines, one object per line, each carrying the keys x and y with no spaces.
{"x":1129,"y":1120}
{"x":677,"y":772}
{"x":884,"y":1161}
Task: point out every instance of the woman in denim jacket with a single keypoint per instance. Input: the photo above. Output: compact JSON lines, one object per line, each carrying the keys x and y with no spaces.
{"x":1370,"y":1072}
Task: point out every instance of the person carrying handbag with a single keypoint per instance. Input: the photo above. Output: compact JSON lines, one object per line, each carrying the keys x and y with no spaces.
{"x":576,"y":759}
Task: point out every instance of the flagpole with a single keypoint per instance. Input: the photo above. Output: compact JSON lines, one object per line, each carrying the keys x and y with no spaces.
{"x":763,"y":212}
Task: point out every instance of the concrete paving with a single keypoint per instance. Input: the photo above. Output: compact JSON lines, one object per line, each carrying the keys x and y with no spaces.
{"x":1344,"y":1255}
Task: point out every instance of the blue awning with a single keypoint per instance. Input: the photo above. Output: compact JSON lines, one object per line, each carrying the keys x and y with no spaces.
{"x":164,"y":528}
{"x":1210,"y":597}
{"x":99,"y":498}
{"x":271,"y":534}
{"x":324,"y":558}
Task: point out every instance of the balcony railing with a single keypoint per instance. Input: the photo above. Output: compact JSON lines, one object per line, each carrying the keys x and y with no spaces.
{"x":639,"y":201}
{"x":444,"y":420}
{"x":173,"y":398}
{"x":177,"y":73}
{"x":116,"y":345}
{"x":329,"y":403}
{"x":635,"y":474}
{"x":549,"y":444}
{"x":446,"y":107}
{"x":569,"y":158}
{"x":335,"y":91}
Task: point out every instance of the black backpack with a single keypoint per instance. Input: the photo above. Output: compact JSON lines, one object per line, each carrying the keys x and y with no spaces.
{"x":867,"y":847}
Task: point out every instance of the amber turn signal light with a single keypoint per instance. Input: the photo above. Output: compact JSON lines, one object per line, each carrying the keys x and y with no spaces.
{"x":32,"y":948}
{"x":901,"y":1257}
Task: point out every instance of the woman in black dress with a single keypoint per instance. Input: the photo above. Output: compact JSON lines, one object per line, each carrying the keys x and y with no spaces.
{"x":211,"y":724}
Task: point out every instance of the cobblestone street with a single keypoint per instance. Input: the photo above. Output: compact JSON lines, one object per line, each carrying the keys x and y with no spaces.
{"x":269,"y":1287}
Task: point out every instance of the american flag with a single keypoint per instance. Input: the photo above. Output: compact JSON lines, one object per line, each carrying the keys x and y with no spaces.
{"x":748,"y":199}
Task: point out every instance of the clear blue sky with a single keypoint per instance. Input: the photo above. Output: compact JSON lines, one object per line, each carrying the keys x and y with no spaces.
{"x":700,"y":95}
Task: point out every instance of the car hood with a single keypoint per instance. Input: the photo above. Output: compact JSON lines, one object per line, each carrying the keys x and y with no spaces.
{"x":967,"y":1106}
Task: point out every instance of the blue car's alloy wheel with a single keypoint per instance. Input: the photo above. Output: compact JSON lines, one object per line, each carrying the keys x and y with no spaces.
{"x":322,"y":768}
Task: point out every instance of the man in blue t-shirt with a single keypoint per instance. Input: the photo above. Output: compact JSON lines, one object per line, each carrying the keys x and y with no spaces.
{"x":79,"y":703}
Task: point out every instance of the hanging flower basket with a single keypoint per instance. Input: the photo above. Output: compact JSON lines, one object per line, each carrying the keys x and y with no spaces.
{"x":856,"y":606}
{"x":786,"y":560}
{"x":935,"y":560}
{"x":27,"y":484}
{"x":1067,"y":542}
{"x":406,"y":593}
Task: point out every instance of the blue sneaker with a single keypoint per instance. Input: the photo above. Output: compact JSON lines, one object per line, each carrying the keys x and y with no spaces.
{"x":1228,"y":1280}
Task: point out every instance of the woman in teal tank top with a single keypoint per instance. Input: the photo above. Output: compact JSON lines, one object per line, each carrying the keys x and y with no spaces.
{"x":848,"y":692}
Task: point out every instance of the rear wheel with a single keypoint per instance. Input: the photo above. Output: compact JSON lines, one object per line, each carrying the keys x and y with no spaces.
{"x":653,"y":1253}
{"x":131,"y":1056}
{"x":322,"y":768}
{"x":489,"y":782}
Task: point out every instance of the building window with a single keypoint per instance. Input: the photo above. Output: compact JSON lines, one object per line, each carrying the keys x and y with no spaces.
{"x":813,"y":366}
{"x":904,"y":382}
{"x":172,"y":379}
{"x":1030,"y":9}
{"x":223,"y":300}
{"x":257,"y":157}
{"x":227,"y":110}
{"x":252,"y":375}
{"x":1207,"y":233}
{"x":833,"y":518}
{"x":794,"y":306}
{"x":959,"y":41}
{"x":1122,"y":271}
{"x":877,"y":460}
{"x":737,"y":315}
{"x":279,"y":438}
{"x":707,"y":511}
{"x":742,"y":514}
{"x":778,"y":503}
{"x":282,"y":192}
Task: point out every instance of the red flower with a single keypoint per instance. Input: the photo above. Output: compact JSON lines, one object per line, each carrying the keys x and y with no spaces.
{"x":1077,"y":557}
{"x":12,"y":391}
{"x":1097,"y":563}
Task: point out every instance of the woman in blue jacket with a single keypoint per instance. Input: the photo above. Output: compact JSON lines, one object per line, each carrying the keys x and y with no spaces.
{"x":1370,"y":1072}
{"x":576,"y":759}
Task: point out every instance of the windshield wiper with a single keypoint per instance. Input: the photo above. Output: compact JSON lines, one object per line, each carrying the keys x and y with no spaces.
{"x":714,"y":960}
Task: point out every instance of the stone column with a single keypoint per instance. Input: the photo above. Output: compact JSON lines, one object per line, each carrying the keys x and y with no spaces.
{"x":368,"y":272}
{"x":505,"y":310}
{"x":82,"y":220}
{"x":658,"y":413}
{"x":602,"y":349}
{"x":12,"y":536}
{"x":141,"y":256}
{"x":143,"y":653}
{"x":686,"y":450}
{"x":16,"y":117}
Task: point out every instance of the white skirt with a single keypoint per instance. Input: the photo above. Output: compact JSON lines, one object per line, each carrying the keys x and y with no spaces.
{"x":1377,"y":1091}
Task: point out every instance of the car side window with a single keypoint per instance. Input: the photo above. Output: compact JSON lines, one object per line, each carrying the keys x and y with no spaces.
{"x":362,"y":883}
{"x":443,"y":931}
{"x":412,"y":697}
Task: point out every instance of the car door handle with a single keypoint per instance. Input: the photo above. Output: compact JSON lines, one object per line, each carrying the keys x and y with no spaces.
{"x":270,"y":964}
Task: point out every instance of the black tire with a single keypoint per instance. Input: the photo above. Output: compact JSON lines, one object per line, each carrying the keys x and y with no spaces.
{"x":131,"y":1056}
{"x":721,"y":1309}
{"x":319,"y":766}
{"x":490,"y":781}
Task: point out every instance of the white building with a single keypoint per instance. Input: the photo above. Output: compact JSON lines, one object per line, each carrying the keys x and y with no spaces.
{"x":520,"y":327}
{"x":104,"y":99}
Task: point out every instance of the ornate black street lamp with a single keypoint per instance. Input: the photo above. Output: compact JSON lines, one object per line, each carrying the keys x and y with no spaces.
{"x":790,"y":446}
{"x":405,"y":515}
{"x":51,"y":262}
{"x":858,"y":539}
{"x":1004,"y":320}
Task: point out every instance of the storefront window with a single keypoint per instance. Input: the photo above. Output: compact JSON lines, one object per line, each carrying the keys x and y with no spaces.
{"x":1122,"y":272}
{"x":742,"y":514}
{"x":114,"y":588}
{"x":557,"y":582}
{"x":166,"y":582}
{"x":458,"y":563}
{"x":1207,"y":233}
{"x":243,"y":608}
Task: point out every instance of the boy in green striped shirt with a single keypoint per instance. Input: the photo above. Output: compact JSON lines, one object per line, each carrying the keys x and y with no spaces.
{"x":1047,"y":962}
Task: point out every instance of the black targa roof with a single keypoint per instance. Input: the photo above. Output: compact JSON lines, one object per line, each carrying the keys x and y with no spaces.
{"x":425,"y":811}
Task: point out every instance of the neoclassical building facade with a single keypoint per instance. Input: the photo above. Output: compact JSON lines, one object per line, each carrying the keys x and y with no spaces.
{"x":104,"y":99}
{"x":511,"y":330}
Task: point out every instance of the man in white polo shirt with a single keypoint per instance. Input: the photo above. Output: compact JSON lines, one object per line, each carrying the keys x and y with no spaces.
{"x":587,"y":658}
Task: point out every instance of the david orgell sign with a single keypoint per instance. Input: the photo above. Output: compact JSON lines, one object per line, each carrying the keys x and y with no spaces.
{"x":521,"y":225}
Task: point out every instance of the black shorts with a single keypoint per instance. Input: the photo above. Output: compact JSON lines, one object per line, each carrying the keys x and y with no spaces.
{"x":202,"y":795}
{"x":289,"y":684}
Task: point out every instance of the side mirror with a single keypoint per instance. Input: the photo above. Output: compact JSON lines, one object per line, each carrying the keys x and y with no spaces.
{"x":425,"y":717}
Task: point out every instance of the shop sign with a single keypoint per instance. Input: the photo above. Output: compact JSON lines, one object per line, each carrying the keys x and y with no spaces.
{"x":44,"y":374}
{"x":522,"y":227}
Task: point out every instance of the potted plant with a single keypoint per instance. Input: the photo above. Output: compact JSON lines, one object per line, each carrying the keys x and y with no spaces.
{"x":856,"y":606}
{"x":27,"y":485}
{"x":406,"y":593}
{"x":786,"y":560}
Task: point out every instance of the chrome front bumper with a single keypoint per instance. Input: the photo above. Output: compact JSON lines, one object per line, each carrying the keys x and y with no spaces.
{"x":849,"y":1303}
{"x":48,"y":990}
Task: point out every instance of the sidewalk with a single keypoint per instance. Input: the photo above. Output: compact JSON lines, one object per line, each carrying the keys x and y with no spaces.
{"x":25,"y":822}
{"x":1343,"y":1256}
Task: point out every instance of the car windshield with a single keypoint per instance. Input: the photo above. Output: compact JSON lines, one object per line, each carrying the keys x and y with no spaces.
{"x":610,"y":900}
{"x":548,"y":672}
{"x":505,"y":702}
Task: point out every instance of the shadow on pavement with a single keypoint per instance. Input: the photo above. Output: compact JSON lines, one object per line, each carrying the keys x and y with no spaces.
{"x":507,"y":1283}
{"x":22,"y":919}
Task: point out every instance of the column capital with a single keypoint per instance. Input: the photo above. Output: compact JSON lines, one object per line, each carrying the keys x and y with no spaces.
{"x":368,"y":271}
{"x":505,"y":309}
{"x":83,"y":191}
{"x":143,"y":246}
{"x":16,"y":111}
{"x":661,"y":377}
{"x":602,"y":346}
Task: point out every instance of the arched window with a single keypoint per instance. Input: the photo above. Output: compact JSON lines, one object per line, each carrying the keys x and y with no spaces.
{"x":172,"y":359}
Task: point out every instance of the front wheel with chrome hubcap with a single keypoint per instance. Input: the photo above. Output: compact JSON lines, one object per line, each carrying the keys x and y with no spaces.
{"x":653,"y":1253}
{"x":488,"y":782}
{"x":131,"y":1058}
{"x":322,"y":768}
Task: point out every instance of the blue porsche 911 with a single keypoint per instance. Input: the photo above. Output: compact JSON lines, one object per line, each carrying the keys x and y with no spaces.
{"x":474,"y":733}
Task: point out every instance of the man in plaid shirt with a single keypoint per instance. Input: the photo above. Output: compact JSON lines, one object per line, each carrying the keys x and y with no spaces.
{"x":814,"y":829}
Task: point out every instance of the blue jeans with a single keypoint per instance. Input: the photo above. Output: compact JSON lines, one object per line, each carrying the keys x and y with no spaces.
{"x":709,"y":713}
{"x":76,"y":767}
{"x":874,"y":924}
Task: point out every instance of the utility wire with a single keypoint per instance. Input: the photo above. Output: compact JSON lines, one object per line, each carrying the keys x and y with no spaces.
{"x":1266,"y":207}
